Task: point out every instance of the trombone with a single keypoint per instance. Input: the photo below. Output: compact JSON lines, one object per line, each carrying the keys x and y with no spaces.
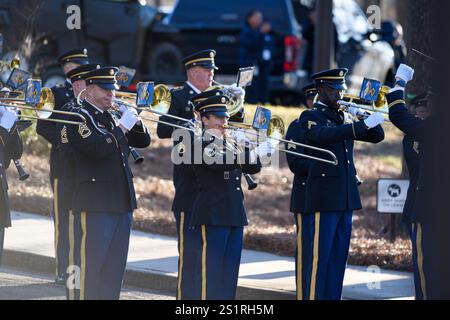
{"x":43,"y":109}
{"x":355,"y":102}
{"x":276,"y":130}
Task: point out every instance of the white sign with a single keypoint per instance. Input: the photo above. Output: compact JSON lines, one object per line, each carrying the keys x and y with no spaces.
{"x":391,"y":195}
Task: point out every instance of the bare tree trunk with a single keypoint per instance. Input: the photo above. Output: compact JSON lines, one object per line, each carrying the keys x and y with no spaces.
{"x":415,"y":16}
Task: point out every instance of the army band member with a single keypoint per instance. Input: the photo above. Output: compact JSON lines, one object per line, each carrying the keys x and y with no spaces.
{"x":411,"y":152}
{"x":218,"y":211}
{"x":104,"y":196}
{"x":48,"y":130}
{"x":299,"y":167}
{"x":63,"y":190}
{"x":417,"y":130}
{"x":310,"y":92}
{"x":331,"y":191}
{"x":200,"y":68}
{"x":10,"y":148}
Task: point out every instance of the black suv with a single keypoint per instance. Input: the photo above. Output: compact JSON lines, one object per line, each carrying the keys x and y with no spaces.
{"x":139,"y":36}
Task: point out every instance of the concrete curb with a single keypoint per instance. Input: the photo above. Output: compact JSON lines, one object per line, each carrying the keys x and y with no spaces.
{"x":146,"y":280}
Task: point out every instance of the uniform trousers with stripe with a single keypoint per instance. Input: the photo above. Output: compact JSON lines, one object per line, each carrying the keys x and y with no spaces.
{"x":415,"y":233}
{"x":61,"y":227}
{"x":189,"y":240}
{"x":217,"y":264}
{"x":2,"y":238}
{"x":323,"y":240}
{"x":99,"y":250}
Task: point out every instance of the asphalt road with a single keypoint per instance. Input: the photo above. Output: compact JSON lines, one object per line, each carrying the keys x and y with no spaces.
{"x":23,"y":285}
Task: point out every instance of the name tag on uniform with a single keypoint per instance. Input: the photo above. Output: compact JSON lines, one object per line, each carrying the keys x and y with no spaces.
{"x":226,"y":175}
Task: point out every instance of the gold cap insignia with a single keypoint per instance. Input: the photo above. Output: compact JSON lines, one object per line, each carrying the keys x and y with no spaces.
{"x":85,"y":51}
{"x":223,"y":100}
{"x":211,"y":54}
{"x":111,"y":71}
{"x":341,"y":73}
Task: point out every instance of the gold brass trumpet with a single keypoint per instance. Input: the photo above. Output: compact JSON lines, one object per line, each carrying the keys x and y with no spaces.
{"x":44,"y":109}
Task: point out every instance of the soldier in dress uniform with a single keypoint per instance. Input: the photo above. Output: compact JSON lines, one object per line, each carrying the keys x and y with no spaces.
{"x":415,"y":209}
{"x":218,"y":211}
{"x":200,"y":68}
{"x":104,"y":196}
{"x":64,"y":184}
{"x":310,"y":92}
{"x":10,"y":148}
{"x":48,"y":130}
{"x":299,"y":167}
{"x":331,"y":191}
{"x":411,"y":151}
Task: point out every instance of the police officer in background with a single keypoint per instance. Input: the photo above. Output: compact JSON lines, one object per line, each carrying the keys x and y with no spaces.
{"x":411,"y":152}
{"x":10,"y":148}
{"x":218,"y":211}
{"x":200,"y":68}
{"x":104,"y":197}
{"x":48,"y":130}
{"x":331,"y":191}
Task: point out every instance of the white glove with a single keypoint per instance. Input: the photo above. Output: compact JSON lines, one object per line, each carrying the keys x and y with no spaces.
{"x":265,"y":149}
{"x":239,"y":136}
{"x":374,"y":120}
{"x":356,"y":112}
{"x":235,"y":90}
{"x":405,"y":73}
{"x":129,"y":119}
{"x":8,"y":119}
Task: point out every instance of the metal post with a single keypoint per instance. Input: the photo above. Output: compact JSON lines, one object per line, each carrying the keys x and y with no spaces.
{"x":324,"y":36}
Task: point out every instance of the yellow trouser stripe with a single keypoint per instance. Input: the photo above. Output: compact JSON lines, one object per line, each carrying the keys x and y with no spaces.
{"x":71,"y":249}
{"x":204,"y":263}
{"x":56,"y":213}
{"x":420,"y":259}
{"x":83,"y":254}
{"x":180,"y":267}
{"x":299,"y":258}
{"x":312,"y":293}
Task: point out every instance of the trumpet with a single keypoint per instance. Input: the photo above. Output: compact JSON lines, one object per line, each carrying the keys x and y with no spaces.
{"x":275,"y":131}
{"x":44,"y":109}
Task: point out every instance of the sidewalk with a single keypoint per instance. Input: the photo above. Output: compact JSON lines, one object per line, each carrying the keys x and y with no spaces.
{"x":152,"y":263}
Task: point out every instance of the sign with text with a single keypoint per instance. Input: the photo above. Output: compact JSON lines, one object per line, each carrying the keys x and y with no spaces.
{"x":391,"y":195}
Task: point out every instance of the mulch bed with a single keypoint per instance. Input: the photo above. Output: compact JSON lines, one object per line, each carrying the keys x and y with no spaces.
{"x":271,"y":226}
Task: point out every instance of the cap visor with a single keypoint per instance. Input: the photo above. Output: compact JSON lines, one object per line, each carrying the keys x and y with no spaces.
{"x":108,"y":86}
{"x":221,"y":114}
{"x":339,"y":86}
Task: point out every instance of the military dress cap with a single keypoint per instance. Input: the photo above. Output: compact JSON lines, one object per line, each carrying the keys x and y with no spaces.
{"x":78,"y":73}
{"x":216,"y":105}
{"x":334,"y":78}
{"x":421,"y":100}
{"x":205,"y":95}
{"x":76,"y":55}
{"x":104,"y":77}
{"x":310,"y":90}
{"x":204,"y":59}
